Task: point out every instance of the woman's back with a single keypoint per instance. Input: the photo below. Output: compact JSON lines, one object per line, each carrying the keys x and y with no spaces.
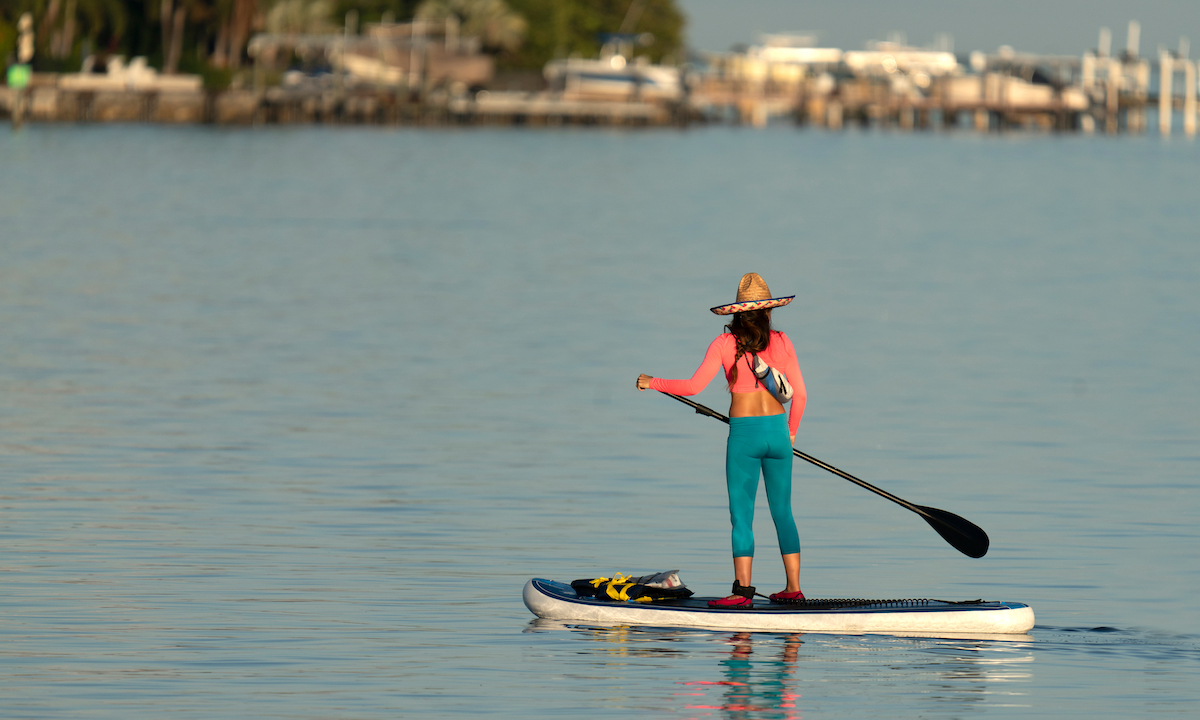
{"x":778,"y":354}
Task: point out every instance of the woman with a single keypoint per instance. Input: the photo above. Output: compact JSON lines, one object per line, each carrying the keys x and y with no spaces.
{"x":760,"y":438}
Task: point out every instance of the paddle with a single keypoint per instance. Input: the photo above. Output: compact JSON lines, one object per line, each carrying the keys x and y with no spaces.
{"x":966,"y":537}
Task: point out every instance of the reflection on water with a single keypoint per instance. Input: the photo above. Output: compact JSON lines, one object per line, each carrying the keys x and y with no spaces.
{"x":779,"y":676}
{"x":755,"y":687}
{"x":773,"y":676}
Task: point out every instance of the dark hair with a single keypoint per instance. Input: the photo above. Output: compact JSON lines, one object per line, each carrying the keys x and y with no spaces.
{"x":752,"y":330}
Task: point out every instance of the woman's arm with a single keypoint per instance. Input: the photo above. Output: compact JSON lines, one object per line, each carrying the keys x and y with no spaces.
{"x":791,"y":368}
{"x":699,"y":380}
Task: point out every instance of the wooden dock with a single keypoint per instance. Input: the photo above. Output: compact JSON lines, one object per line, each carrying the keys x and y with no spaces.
{"x":861,"y":103}
{"x":280,"y":106}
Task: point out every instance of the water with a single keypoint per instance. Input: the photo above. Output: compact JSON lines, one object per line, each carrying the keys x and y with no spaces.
{"x":292,"y":414}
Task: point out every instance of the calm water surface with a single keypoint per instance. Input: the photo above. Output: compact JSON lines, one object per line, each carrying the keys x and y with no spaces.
{"x":290,"y":416}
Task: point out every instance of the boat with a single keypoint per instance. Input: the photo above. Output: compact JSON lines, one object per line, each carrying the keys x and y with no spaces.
{"x":615,"y":76}
{"x":557,"y":601}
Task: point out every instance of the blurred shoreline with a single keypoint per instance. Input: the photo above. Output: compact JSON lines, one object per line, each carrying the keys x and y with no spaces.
{"x":409,"y":74}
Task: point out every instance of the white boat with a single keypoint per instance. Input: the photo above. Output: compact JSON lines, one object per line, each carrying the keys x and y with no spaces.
{"x":612,"y":77}
{"x":557,"y":601}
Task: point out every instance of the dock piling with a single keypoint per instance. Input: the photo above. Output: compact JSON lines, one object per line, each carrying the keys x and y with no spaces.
{"x":1166,"y":73}
{"x":1189,"y":98}
{"x":1113,"y":98}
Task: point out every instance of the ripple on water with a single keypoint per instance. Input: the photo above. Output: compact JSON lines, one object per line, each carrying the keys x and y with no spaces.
{"x":291,"y":415}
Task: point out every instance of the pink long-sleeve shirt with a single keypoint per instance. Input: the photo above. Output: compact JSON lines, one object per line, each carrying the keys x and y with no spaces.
{"x":779,"y":354}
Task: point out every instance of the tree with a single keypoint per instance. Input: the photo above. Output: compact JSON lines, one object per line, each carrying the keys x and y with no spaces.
{"x":101,"y":21}
{"x":313,"y":17}
{"x":523,"y":33}
{"x":233,"y":21}
{"x":492,"y":21}
{"x":61,"y":25}
{"x":558,"y":28}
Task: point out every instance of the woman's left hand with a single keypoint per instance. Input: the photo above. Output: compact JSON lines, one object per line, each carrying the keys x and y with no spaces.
{"x":643,"y":381}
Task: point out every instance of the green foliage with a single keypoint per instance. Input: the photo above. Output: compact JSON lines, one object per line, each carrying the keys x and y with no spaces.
{"x":8,"y":42}
{"x":214,"y":78}
{"x":301,"y":16}
{"x":374,"y":10}
{"x":10,"y":10}
{"x":551,"y":28}
{"x":98,"y":22}
{"x":492,"y":21}
{"x":558,"y":28}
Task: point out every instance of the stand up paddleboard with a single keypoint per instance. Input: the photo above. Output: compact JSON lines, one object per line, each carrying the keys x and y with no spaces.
{"x":557,"y":601}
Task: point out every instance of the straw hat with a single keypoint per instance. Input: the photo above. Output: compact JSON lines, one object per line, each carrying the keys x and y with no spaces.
{"x":752,"y":294}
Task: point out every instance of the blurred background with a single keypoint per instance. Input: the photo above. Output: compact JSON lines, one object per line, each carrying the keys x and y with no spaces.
{"x":321,"y":324}
{"x":1061,"y":66}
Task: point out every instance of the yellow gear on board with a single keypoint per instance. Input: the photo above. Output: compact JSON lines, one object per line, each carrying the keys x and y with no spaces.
{"x":625,"y":588}
{"x":618,"y":586}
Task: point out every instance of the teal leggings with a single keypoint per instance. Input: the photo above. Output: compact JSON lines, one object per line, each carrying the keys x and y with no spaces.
{"x":760,"y":444}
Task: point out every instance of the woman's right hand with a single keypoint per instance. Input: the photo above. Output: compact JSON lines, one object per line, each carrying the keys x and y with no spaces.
{"x":643,"y":381}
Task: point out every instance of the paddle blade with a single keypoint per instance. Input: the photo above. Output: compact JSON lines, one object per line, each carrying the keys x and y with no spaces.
{"x":966,"y":537}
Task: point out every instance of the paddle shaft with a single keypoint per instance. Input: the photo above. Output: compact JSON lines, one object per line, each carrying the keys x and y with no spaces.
{"x":965,"y":536}
{"x":703,"y":410}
